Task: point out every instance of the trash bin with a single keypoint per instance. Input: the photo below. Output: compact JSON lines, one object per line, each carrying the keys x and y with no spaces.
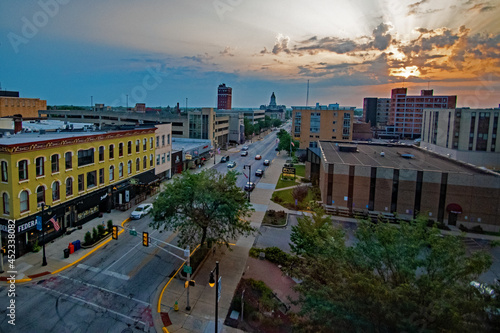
{"x":78,"y":245}
{"x":75,"y":245}
{"x":71,"y":248}
{"x":66,"y":253}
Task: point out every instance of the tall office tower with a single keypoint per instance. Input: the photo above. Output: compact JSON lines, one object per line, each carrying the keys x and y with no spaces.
{"x":224,"y":96}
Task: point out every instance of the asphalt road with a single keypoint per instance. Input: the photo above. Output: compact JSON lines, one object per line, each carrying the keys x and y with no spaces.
{"x":110,"y":291}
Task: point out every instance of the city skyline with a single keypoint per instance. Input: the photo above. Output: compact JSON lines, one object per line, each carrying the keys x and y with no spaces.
{"x":159,"y":53}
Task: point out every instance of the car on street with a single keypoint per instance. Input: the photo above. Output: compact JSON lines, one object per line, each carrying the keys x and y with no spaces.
{"x":249,"y":186}
{"x":258,"y":157}
{"x":141,"y":210}
{"x":259,"y":172}
{"x":244,"y":148}
{"x":244,"y":153}
{"x":224,"y":159}
{"x":266,"y":162}
{"x":231,"y":164}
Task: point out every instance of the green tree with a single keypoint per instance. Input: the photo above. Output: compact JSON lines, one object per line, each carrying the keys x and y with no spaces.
{"x":391,"y":279}
{"x":284,"y":143}
{"x":249,"y":128}
{"x":204,"y":207}
{"x":276,"y":122}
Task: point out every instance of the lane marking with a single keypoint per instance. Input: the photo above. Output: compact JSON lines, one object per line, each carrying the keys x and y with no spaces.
{"x":104,"y":289}
{"x":99,"y":270}
{"x":76,"y":298}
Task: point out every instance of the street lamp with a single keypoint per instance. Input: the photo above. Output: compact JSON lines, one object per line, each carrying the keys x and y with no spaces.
{"x":215,"y":151}
{"x":211,"y":283}
{"x":44,"y":261}
{"x":249,"y":179}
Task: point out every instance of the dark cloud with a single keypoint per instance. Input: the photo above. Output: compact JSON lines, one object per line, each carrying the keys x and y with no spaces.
{"x":201,"y":58}
{"x":414,"y":8}
{"x":227,"y":52}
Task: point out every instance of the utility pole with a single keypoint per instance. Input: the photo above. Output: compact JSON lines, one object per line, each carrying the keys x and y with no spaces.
{"x":188,"y":307}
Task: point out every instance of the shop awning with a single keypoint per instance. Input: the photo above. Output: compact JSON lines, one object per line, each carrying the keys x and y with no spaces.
{"x":148,"y":178}
{"x":454,"y":208}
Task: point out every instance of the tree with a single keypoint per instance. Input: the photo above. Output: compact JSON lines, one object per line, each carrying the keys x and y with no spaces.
{"x":249,"y":127}
{"x":203,"y":207}
{"x":276,"y":122}
{"x":285,"y":139}
{"x":392,"y":279}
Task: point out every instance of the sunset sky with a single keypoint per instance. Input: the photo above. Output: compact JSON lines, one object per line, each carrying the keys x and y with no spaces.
{"x":161,"y":52}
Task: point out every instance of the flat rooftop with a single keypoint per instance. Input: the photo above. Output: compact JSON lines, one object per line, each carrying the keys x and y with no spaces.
{"x":21,"y":138}
{"x":370,"y":155}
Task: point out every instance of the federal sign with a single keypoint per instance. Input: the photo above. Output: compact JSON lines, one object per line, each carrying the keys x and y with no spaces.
{"x":288,"y":171}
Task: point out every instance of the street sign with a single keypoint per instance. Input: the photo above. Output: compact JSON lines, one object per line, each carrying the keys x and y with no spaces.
{"x":39,"y":223}
{"x":133,"y":232}
{"x":188,"y":269}
{"x":219,"y":291}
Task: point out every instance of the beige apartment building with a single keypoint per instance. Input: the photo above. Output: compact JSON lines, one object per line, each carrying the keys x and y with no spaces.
{"x":321,"y":122}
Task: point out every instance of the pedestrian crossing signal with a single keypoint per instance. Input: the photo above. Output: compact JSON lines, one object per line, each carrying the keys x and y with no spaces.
{"x":115,"y":232}
{"x":191,"y":283}
{"x":145,"y":239}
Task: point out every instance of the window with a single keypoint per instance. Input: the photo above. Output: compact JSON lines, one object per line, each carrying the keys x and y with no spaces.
{"x":163,"y":140}
{"x":23,"y":170}
{"x":145,"y":163}
{"x":68,"y":160}
{"x":111,"y":173}
{"x":24,"y":200}
{"x":137,"y":145}
{"x":111,"y":151}
{"x":101,"y":153}
{"x":137,"y":164}
{"x":158,"y":159}
{"x":129,"y":167}
{"x":120,"y":170}
{"x":144,"y":144}
{"x":56,"y":195}
{"x":163,"y":158}
{"x":91,"y":179}
{"x":81,"y":182}
{"x":85,"y":157}
{"x":101,"y":176}
{"x":54,"y":161}
{"x":157,"y":141}
{"x":40,"y":195}
{"x":151,"y":143}
{"x":39,"y":166}
{"x":129,"y":147}
{"x":5,"y":174}
{"x":120,"y":149}
{"x":168,"y":157}
{"x":69,"y":187}
{"x":5,"y":200}
{"x":168,"y":139}
{"x":151,"y":160}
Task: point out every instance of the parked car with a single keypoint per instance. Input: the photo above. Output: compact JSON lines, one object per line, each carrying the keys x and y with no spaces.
{"x":141,"y":210}
{"x":288,"y":163}
{"x":277,"y":149}
{"x":259,"y":172}
{"x":249,"y":186}
{"x":231,"y":164}
{"x":224,"y":159}
{"x":244,"y":153}
{"x":267,"y":162}
{"x":244,"y":148}
{"x":258,"y":157}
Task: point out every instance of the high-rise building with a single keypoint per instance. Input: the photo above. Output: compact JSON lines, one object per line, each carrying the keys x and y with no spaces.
{"x":224,"y":97}
{"x":405,"y":115}
{"x":376,"y":111}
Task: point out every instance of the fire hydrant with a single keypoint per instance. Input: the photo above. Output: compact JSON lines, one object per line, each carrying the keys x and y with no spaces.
{"x":176,"y":306}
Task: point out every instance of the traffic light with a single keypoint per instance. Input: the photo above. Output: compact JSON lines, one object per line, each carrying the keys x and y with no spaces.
{"x":115,"y":232}
{"x":189,"y":283}
{"x":145,"y":239}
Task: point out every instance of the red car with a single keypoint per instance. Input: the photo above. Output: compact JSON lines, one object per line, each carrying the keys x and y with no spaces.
{"x":258,"y":157}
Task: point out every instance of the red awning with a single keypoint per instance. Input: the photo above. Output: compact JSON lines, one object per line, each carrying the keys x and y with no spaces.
{"x":454,"y":208}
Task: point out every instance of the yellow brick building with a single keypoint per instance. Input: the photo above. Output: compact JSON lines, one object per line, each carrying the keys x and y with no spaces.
{"x":77,"y":174}
{"x":27,"y":107}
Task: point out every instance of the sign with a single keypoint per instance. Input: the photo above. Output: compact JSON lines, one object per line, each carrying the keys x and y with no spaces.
{"x":39,"y":223}
{"x":133,"y":232}
{"x":219,"y":290}
{"x":188,"y":156}
{"x":188,"y":269}
{"x":288,"y":171}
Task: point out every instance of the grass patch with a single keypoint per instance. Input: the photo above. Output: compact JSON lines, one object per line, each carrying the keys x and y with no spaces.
{"x":300,"y":170}
{"x":286,"y":183}
{"x":272,"y":217}
{"x":285,"y":199}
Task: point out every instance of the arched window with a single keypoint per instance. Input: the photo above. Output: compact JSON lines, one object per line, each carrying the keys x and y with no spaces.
{"x":144,"y":144}
{"x":138,"y":164}
{"x":129,"y":147}
{"x":137,"y":145}
{"x":151,"y":161}
{"x":120,"y":149}
{"x":69,"y":186}
{"x":24,"y":200}
{"x":54,"y":162}
{"x":56,"y":195}
{"x":145,"y":163}
{"x":39,"y":163}
{"x":120,"y":170}
{"x":111,"y":173}
{"x":6,"y":209}
{"x":5,"y":174}
{"x":23,"y":169}
{"x":101,"y":153}
{"x":129,"y":167}
{"x":40,"y":195}
{"x":151,"y":143}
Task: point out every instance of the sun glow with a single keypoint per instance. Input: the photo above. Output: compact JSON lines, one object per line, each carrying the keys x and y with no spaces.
{"x":405,"y":71}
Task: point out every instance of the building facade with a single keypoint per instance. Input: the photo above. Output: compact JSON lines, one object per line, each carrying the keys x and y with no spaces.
{"x":11,"y":104}
{"x":224,"y":97}
{"x":163,"y":145}
{"x":468,"y":135}
{"x":404,"y":181}
{"x":76,"y":174}
{"x":273,"y":110}
{"x":405,"y":115}
{"x":332,"y":122}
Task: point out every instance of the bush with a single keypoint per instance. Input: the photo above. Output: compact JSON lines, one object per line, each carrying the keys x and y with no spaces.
{"x":277,"y":199}
{"x":463,"y":228}
{"x":305,"y":180}
{"x":300,"y":192}
{"x":477,"y":229}
{"x":36,"y":247}
{"x":277,"y":256}
{"x":254,"y":252}
{"x":87,"y":238}
{"x":271,"y":213}
{"x":110,"y":225}
{"x":100,"y":230}
{"x":95,"y":235}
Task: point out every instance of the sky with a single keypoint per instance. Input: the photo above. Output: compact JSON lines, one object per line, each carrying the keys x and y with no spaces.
{"x":163,"y":52}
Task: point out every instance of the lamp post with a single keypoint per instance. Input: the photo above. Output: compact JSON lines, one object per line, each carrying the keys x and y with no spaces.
{"x":211,"y":282}
{"x":249,"y":178}
{"x":44,"y":261}
{"x":215,"y":151}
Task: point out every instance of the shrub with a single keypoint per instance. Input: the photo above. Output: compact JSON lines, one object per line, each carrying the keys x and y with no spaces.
{"x":87,"y":238}
{"x":463,"y":228}
{"x":36,"y":247}
{"x":110,"y":225}
{"x":305,"y":180}
{"x":277,"y":256}
{"x":100,"y":230}
{"x":280,"y":214}
{"x":477,"y":229}
{"x":277,"y":199}
{"x":299,"y":193}
{"x":95,"y":235}
{"x":271,"y":213}
{"x":254,"y":252}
